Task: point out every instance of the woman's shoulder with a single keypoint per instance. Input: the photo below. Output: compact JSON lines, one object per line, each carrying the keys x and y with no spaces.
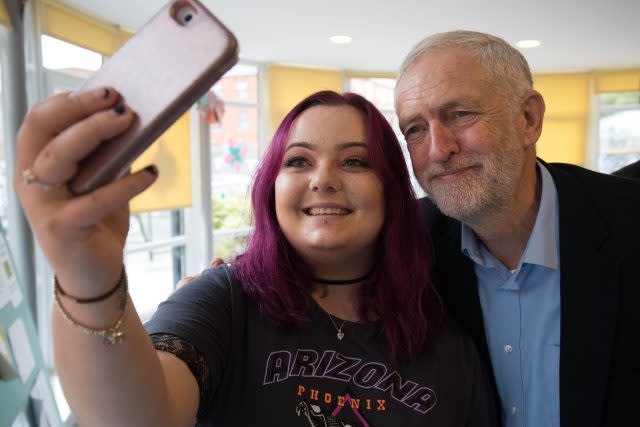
{"x":213,"y":281}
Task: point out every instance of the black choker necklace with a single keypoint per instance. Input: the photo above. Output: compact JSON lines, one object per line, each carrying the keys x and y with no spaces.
{"x":341,"y":282}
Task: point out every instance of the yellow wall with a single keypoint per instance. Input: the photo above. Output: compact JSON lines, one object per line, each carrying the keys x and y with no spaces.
{"x":564,"y":131}
{"x":617,"y":81}
{"x":370,"y":74}
{"x":567,"y":97}
{"x":172,"y":154}
{"x":65,"y":23}
{"x":286,"y":86}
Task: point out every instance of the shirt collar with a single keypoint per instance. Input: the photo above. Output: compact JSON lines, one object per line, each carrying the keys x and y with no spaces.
{"x":542,"y":247}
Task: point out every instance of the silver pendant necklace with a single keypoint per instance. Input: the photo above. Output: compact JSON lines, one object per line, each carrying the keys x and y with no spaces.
{"x":340,"y":334}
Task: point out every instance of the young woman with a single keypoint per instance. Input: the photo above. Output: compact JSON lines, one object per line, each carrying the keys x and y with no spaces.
{"x":328,"y":319}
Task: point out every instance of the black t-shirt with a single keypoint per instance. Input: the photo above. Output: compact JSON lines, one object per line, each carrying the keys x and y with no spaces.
{"x":265,"y":376}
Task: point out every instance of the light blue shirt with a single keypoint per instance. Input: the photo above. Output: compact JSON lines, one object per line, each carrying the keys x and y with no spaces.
{"x":521,"y":311}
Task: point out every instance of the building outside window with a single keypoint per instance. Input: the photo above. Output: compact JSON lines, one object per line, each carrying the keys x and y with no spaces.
{"x":243,"y":121}
{"x":242,"y":89}
{"x":618,"y":130}
{"x":234,"y":158}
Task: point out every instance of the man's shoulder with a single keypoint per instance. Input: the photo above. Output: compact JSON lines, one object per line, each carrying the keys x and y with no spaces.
{"x":584,"y":173}
{"x":611,"y":201}
{"x":599,"y":185}
{"x":630,"y":171}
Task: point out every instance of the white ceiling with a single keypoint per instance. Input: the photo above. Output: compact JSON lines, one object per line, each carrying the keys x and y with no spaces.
{"x":576,"y":35}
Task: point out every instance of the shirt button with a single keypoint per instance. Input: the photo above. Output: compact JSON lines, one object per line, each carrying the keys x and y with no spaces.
{"x":514,"y":410}
{"x":508,"y":349}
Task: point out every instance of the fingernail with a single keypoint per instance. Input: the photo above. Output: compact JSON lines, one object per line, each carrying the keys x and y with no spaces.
{"x":119,"y":109}
{"x":102,"y":93}
{"x":152,"y":170}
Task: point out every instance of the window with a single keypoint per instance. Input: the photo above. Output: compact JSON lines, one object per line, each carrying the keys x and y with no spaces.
{"x":69,"y":58}
{"x":234,"y":157}
{"x":243,"y":121}
{"x":380,"y":91}
{"x":154,"y":257}
{"x":618,"y":130}
{"x":242,"y":89}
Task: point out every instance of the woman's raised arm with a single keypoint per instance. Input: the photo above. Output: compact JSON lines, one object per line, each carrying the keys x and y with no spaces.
{"x":109,"y":369}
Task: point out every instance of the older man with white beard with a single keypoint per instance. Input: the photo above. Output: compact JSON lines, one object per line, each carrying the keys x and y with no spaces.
{"x":537,"y":261}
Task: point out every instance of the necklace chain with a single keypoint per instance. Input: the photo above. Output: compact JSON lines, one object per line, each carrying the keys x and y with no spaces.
{"x":339,"y":334}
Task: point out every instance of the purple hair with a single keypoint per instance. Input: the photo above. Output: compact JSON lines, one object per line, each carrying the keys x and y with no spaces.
{"x":399,"y":291}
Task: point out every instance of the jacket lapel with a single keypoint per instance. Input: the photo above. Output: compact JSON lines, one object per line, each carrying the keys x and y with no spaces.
{"x":588,"y":274}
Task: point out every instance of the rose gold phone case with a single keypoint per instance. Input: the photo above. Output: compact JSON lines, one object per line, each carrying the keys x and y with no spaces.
{"x":160,"y":72}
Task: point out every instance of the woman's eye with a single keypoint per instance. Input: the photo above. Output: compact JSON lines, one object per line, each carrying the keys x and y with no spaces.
{"x":355,"y":162}
{"x":296,"y":162}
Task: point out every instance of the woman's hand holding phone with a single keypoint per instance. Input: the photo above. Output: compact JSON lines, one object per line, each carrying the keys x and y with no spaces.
{"x":82,"y":237}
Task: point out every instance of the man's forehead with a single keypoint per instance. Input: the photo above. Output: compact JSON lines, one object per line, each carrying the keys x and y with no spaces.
{"x":442,"y":64}
{"x":448,"y":76}
{"x":436,"y":94}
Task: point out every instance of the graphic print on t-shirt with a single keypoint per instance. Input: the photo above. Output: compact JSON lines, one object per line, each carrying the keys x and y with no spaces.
{"x":364,"y":387}
{"x":316,"y":418}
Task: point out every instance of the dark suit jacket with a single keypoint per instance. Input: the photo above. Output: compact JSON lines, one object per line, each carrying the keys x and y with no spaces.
{"x":600,"y":294}
{"x":629,"y":171}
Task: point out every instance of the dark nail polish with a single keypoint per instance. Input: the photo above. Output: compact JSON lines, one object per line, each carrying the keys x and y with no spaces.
{"x":106,"y":93}
{"x":152,"y":170}
{"x":119,"y":109}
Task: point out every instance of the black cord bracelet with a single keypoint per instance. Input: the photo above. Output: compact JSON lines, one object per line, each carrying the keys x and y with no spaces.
{"x":62,"y":293}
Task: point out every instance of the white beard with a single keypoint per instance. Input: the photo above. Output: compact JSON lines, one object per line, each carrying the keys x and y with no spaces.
{"x":482,"y":190}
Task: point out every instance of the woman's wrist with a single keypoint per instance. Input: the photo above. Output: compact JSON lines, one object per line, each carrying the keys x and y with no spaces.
{"x":88,"y":300}
{"x":111,"y":334}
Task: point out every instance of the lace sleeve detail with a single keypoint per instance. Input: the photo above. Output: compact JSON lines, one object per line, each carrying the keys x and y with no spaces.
{"x":186,"y":352}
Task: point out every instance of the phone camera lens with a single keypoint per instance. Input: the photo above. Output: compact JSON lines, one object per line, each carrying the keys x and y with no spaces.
{"x":185,"y":15}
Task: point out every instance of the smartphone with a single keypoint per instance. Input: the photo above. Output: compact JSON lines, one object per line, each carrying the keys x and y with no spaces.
{"x":160,"y":72}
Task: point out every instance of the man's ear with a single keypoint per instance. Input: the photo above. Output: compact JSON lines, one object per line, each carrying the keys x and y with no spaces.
{"x":533,"y":114}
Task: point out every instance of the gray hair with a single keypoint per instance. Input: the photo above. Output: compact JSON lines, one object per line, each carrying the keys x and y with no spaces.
{"x":505,"y":65}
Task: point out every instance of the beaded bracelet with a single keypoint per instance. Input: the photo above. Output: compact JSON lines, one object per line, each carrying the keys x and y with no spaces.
{"x":111,"y":335}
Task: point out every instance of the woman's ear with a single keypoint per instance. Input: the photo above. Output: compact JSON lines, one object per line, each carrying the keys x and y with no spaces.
{"x":533,"y":113}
